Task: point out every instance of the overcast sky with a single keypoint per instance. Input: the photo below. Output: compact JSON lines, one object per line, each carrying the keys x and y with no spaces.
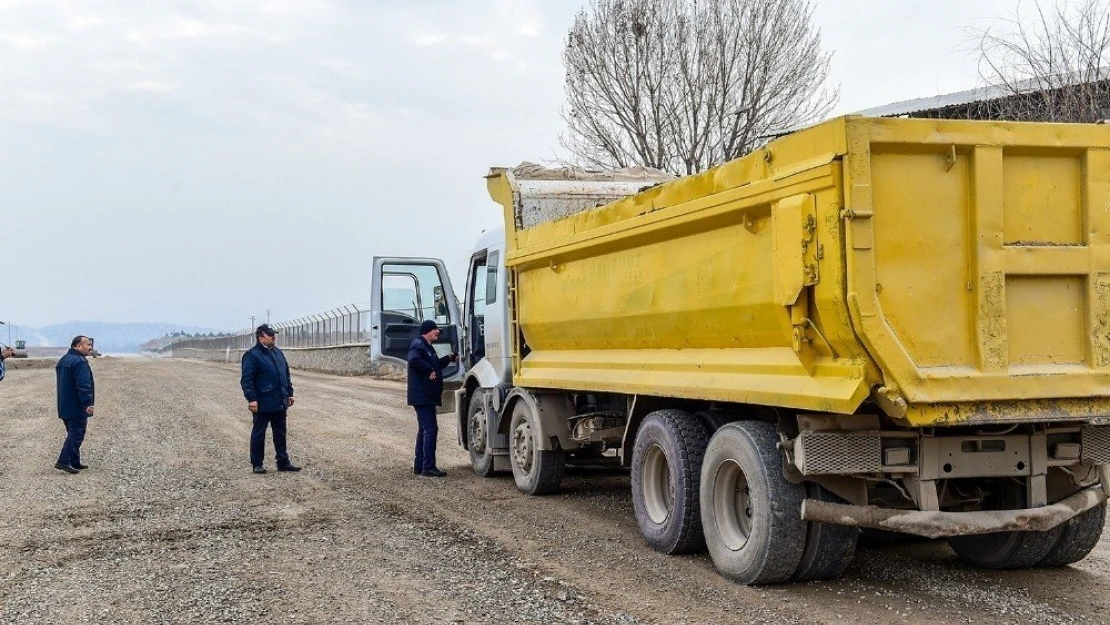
{"x":199,"y":162}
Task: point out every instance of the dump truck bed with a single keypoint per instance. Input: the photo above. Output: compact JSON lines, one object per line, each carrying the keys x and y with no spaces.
{"x":952,"y":271}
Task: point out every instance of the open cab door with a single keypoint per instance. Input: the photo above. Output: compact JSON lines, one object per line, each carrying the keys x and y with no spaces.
{"x":405,"y":292}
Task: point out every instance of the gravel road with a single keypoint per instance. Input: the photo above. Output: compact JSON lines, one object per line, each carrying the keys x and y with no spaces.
{"x":170,"y":526}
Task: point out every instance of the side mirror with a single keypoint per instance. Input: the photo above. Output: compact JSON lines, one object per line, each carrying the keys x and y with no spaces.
{"x":440,"y":303}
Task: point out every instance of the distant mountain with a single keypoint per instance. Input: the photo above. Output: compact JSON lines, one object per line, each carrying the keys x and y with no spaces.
{"x":117,"y":338}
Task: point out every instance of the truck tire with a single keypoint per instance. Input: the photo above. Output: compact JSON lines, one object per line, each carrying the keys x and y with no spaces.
{"x":536,"y":471}
{"x":1005,"y":550}
{"x":476,"y":436}
{"x":1078,"y":536}
{"x":750,"y":513}
{"x":666,"y":474}
{"x":829,"y":548}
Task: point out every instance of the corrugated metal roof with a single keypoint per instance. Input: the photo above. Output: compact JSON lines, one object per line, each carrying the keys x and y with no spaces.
{"x":980,"y":94}
{"x":909,"y":107}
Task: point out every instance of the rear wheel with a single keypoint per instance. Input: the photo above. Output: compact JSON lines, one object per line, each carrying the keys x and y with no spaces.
{"x":536,"y":471}
{"x":666,"y":474}
{"x":1078,"y":537}
{"x":829,"y":548}
{"x":477,"y":436}
{"x":1006,"y":550}
{"x":750,"y":512}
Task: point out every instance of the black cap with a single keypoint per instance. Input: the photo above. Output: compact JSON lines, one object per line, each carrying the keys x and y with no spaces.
{"x":265,"y":329}
{"x":427,"y":326}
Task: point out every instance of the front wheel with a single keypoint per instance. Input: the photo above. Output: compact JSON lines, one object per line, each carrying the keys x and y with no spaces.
{"x":750,"y":513}
{"x":536,"y":471}
{"x":477,"y":436}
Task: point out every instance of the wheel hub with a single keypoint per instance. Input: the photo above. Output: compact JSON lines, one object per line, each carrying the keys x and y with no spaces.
{"x":656,"y":485}
{"x":732,"y":505}
{"x":478,"y":433}
{"x":523,"y":447}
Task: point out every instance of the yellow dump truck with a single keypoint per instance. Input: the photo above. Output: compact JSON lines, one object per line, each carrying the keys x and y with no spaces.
{"x":872,"y":323}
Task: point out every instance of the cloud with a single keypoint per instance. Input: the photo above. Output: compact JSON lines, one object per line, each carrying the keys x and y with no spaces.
{"x":170,"y":131}
{"x":431,"y":39}
{"x":153,"y":85}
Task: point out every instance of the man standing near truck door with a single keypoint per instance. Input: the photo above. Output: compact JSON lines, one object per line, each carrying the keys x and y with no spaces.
{"x":269,"y":392}
{"x":425,"y":391}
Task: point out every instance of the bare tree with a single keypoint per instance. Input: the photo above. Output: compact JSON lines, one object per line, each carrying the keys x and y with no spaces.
{"x":682,"y":85}
{"x":1052,"y":65}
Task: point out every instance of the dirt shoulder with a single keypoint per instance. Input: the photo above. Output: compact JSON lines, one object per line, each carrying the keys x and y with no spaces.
{"x":169,"y":525}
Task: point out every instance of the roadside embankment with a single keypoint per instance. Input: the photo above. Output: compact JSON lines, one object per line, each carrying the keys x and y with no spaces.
{"x":30,"y":363}
{"x":340,"y":360}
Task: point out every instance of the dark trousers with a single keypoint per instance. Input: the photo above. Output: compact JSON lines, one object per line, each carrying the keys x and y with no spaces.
{"x":75,"y":435}
{"x":426,"y":434}
{"x":276,"y":421}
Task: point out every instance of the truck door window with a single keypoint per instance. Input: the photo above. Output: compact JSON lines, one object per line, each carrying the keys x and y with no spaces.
{"x":400,"y":296}
{"x":491,"y":279}
{"x":479,"y":294}
{"x":415,"y":291}
{"x":477,"y":304}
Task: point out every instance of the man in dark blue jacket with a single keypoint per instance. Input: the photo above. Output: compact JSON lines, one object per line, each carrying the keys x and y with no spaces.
{"x":425,"y":389}
{"x":76,"y":395}
{"x":269,"y":392}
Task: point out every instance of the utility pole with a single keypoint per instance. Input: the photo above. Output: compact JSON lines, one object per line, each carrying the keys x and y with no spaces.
{"x":252,"y":322}
{"x":267,"y":315}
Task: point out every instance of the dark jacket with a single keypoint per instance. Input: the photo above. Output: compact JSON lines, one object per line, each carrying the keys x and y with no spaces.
{"x":423,"y":361}
{"x":266,"y":379}
{"x":75,"y":385}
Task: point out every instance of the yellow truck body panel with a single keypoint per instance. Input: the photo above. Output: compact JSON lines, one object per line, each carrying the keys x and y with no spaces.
{"x":953,"y":271}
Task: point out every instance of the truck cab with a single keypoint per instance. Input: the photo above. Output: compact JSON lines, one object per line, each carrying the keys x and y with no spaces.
{"x":485,"y":314}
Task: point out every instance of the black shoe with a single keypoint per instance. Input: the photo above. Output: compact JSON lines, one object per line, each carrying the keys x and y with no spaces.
{"x":259,"y":469}
{"x":81,"y":466}
{"x":415,"y":471}
{"x":289,"y":467}
{"x":433,"y":473}
{"x":66,"y":468}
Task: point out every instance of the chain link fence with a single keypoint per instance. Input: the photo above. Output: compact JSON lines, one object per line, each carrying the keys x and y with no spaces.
{"x":346,"y":325}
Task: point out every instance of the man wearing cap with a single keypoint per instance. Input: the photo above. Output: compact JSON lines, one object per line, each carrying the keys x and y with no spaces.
{"x":425,"y":390}
{"x":269,"y":393}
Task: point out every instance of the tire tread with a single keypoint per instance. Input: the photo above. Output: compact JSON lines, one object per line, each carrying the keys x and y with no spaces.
{"x":1079,"y":536}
